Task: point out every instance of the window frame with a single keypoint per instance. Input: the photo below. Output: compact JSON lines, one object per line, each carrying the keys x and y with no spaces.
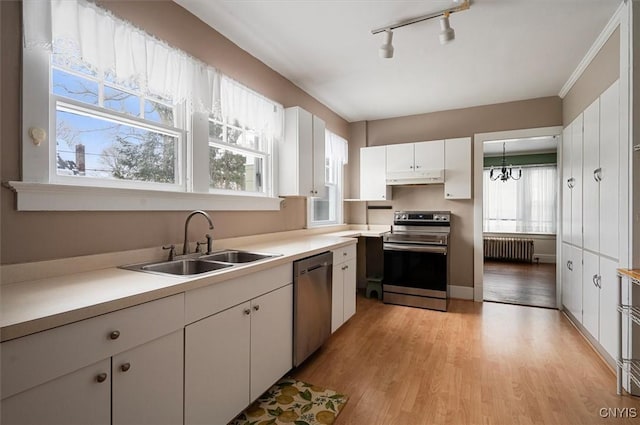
{"x":336,"y":169}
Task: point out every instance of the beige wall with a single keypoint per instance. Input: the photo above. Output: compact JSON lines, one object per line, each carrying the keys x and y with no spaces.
{"x":603,"y":70}
{"x":533,"y":113}
{"x":34,"y":236}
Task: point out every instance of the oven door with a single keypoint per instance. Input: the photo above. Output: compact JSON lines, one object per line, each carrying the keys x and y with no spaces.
{"x":415,"y":269}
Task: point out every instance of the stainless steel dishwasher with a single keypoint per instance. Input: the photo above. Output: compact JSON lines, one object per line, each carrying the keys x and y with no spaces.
{"x":311,"y":304}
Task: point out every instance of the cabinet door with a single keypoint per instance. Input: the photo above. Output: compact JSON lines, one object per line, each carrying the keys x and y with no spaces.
{"x":337,"y":297}
{"x":590,"y":293}
{"x":400,"y":158}
{"x":609,"y":332}
{"x":295,"y":167}
{"x":373,"y":182}
{"x":591,"y":200}
{"x":319,"y":145}
{"x":457,"y":166}
{"x":566,"y":277}
{"x":349,"y":289}
{"x":429,"y":155}
{"x":217,"y":350}
{"x":74,"y":399}
{"x":576,"y":283}
{"x":609,"y":164}
{"x":565,"y":187}
{"x":150,"y":372}
{"x":271,"y":339}
{"x":576,"y":172}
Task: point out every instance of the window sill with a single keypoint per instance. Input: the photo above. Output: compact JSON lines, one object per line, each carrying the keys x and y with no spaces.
{"x":60,"y":197}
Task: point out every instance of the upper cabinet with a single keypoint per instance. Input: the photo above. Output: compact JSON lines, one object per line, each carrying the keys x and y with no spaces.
{"x":457,"y":168}
{"x":415,"y":163}
{"x":373,"y":185}
{"x":302,"y":155}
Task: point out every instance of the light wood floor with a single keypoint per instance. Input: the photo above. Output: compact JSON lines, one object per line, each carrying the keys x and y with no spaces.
{"x":518,"y":283}
{"x":479,"y":363}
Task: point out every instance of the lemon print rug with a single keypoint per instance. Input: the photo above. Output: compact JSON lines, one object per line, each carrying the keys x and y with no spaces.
{"x":293,"y":402}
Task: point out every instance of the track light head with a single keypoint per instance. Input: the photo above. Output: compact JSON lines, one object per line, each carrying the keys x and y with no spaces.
{"x":386,"y":50}
{"x":447,"y":34}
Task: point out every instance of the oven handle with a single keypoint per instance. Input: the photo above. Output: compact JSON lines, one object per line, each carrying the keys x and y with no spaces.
{"x":415,"y":248}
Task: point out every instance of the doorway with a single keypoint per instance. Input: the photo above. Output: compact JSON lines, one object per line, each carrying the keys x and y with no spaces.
{"x":516,"y":217}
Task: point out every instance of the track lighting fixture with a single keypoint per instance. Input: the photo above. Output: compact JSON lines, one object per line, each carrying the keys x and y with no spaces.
{"x":447,"y":34}
{"x":386,"y":50}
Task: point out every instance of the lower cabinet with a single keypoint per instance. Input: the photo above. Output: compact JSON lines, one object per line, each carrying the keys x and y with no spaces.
{"x":600,"y":300}
{"x":140,"y":386}
{"x":233,"y":356}
{"x":572,"y":280}
{"x":343,"y":291}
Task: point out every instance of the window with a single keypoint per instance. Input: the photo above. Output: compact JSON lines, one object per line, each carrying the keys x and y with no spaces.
{"x":328,"y":210}
{"x":527,"y":205}
{"x":127,"y":111}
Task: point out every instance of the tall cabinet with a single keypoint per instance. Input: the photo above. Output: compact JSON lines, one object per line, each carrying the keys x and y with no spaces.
{"x":590,"y":223}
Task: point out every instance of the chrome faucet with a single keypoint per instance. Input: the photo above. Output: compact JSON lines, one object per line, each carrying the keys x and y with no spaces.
{"x":185,"y":247}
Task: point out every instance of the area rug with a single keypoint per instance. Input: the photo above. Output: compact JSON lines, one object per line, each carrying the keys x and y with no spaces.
{"x":293,"y":402}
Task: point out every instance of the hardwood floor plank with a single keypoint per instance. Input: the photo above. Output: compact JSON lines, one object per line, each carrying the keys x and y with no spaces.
{"x":476,"y":364}
{"x":518,"y":283}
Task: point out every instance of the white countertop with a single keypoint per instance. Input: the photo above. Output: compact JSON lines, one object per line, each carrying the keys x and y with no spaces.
{"x":32,"y":306}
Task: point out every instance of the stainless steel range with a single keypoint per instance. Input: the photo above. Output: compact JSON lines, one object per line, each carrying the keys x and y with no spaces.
{"x":416,"y":260}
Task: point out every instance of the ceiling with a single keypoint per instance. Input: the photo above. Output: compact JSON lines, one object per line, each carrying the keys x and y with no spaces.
{"x":526,"y":146}
{"x":504,"y":50}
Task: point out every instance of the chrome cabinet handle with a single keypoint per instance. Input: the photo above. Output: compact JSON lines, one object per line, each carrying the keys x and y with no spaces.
{"x":594,"y":279}
{"x":256,"y":307}
{"x":599,"y":281}
{"x":101,"y":377}
{"x":570,"y":265}
{"x":597,"y":174}
{"x":114,"y":335}
{"x":125,"y":367}
{"x":247,"y":311}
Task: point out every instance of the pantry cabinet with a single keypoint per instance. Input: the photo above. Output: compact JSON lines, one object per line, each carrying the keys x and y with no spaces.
{"x":373,"y":183}
{"x":302,"y":155}
{"x":572,"y":183}
{"x":343,"y":292}
{"x":457,"y":168}
{"x":572,"y":280}
{"x":102,"y":370}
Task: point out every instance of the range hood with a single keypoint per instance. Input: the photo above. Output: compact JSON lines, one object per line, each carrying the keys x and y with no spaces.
{"x":415,"y":177}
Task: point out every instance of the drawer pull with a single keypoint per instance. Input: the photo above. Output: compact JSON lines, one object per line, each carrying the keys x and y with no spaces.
{"x":256,"y":307}
{"x":344,"y":254}
{"x":247,"y":311}
{"x":114,"y":335}
{"x":125,"y":367}
{"x":101,"y":377}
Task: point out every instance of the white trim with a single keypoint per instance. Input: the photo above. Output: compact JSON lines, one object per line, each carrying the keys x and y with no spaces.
{"x":461,"y":292}
{"x":593,"y":51}
{"x":478,"y":155}
{"x":59,"y":197}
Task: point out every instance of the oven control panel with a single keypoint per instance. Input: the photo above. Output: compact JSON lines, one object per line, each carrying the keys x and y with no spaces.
{"x":422,"y":217}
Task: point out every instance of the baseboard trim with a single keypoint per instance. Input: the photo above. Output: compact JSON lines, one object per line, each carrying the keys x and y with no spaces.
{"x":545,"y":258}
{"x":461,"y":292}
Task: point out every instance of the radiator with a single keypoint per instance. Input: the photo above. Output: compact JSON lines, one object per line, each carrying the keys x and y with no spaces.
{"x":512,"y":249}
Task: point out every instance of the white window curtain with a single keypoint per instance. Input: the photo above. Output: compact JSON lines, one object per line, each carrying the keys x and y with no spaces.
{"x":527,"y":205}
{"x":250,"y":109}
{"x":336,"y":148}
{"x":83,"y":32}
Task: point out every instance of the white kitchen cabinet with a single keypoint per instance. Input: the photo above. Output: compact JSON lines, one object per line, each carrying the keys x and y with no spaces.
{"x":147,"y":383}
{"x":565,"y":187}
{"x":457,"y":168}
{"x":373,"y":183}
{"x":75,"y":398}
{"x":343,"y":291}
{"x":591,"y":162}
{"x":233,"y":356}
{"x":600,"y":300}
{"x":415,"y":157}
{"x":576,"y":182}
{"x":73,"y":374}
{"x":302,"y":155}
{"x":572,"y":280}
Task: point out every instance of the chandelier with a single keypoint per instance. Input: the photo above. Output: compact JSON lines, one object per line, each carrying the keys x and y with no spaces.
{"x":505,"y":173}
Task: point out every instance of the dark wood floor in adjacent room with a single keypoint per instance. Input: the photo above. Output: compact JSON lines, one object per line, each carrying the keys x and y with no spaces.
{"x":478,"y":363}
{"x":520,"y":283}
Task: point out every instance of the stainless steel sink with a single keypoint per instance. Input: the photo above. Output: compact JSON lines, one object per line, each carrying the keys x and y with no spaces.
{"x":199,"y":264}
{"x":236,"y":257}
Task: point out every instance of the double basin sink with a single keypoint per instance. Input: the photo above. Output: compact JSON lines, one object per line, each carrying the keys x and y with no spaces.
{"x":202,"y":263}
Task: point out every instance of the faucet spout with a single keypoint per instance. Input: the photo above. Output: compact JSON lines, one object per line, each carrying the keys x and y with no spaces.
{"x":185,"y":246}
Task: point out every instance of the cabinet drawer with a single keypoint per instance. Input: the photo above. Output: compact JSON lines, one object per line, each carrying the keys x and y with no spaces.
{"x":38,"y":358}
{"x":343,"y":254}
{"x":209,"y":300}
